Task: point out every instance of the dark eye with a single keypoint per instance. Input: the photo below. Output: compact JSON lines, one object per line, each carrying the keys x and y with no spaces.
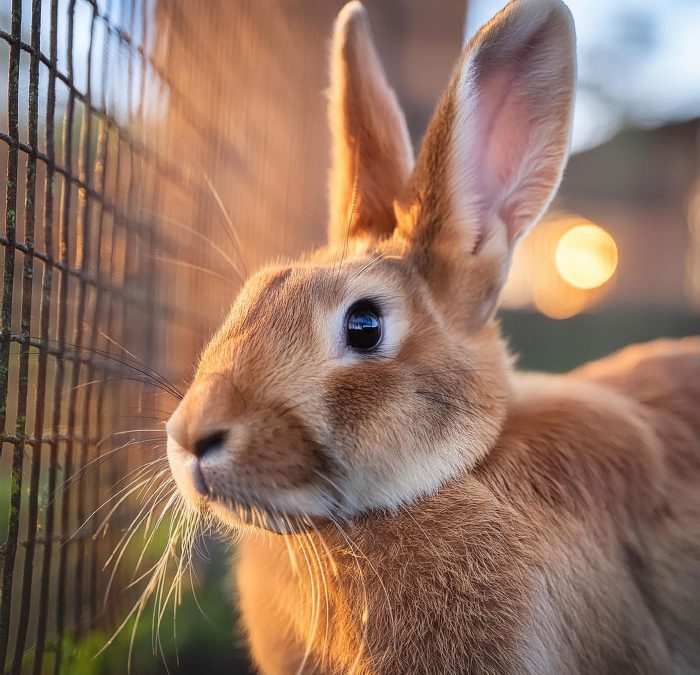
{"x":363,"y":328}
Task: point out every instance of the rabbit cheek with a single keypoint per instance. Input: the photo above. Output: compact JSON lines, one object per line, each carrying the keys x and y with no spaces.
{"x":361,"y":395}
{"x":281,"y":455}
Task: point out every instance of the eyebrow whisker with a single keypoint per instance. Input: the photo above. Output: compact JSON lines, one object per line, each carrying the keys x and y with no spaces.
{"x":370,"y":264}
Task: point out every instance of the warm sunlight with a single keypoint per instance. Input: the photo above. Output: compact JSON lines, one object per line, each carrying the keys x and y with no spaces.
{"x":586,"y":256}
{"x":564,"y":267}
{"x":314,"y":336}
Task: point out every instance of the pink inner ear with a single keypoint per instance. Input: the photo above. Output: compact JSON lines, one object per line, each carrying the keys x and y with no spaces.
{"x":494,"y":153}
{"x":519,"y":101}
{"x":504,"y":136}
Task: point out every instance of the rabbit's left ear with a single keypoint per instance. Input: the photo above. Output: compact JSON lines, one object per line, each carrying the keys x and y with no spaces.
{"x":493,"y":155}
{"x":372,"y":153}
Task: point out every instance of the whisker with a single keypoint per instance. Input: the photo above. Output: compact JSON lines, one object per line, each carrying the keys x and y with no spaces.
{"x":208,"y":240}
{"x":351,"y":213}
{"x":154,"y":529}
{"x":135,"y":485}
{"x":231,"y":227}
{"x":361,"y":576}
{"x":325,"y":587}
{"x":312,"y":620}
{"x":368,"y":266}
{"x":154,"y":377}
{"x":132,"y":529}
{"x":97,"y":462}
{"x":191,"y":266}
{"x":129,"y":490}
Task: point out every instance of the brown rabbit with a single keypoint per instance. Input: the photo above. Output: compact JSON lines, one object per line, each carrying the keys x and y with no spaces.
{"x":408,"y":503}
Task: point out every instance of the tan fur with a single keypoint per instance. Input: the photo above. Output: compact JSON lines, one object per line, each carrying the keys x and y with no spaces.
{"x":574,"y":547}
{"x":372,"y":153}
{"x":421,"y":508}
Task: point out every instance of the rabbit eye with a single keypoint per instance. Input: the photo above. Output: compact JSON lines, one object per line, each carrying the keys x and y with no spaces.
{"x":363,"y":328}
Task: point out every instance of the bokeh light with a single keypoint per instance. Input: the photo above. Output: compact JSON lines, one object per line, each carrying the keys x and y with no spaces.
{"x":586,"y":256}
{"x":565,"y":266}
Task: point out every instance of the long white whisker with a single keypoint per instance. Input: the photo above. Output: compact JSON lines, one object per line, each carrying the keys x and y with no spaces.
{"x":312,"y":632}
{"x":206,"y":239}
{"x":191,"y":266}
{"x":325,"y":588}
{"x":231,"y":227}
{"x":365,"y":612}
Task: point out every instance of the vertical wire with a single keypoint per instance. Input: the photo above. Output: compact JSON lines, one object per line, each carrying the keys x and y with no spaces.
{"x":150,"y":269}
{"x":46,"y":286}
{"x":113,"y":473}
{"x":101,"y":167}
{"x":25,"y":332}
{"x":116,"y":320}
{"x":131,"y":250}
{"x":10,"y":545}
{"x":150,"y":200}
{"x":63,"y":308}
{"x":82,"y":262}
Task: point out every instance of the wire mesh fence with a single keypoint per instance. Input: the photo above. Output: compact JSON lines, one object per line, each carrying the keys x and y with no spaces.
{"x":79,"y":294}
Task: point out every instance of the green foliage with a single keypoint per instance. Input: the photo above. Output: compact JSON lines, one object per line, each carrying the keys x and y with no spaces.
{"x":201,"y":639}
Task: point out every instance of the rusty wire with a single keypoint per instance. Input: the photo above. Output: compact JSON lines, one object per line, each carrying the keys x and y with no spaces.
{"x":78,"y":281}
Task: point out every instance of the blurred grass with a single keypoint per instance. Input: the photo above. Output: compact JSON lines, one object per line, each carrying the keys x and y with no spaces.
{"x":201,"y":639}
{"x":558,"y":346}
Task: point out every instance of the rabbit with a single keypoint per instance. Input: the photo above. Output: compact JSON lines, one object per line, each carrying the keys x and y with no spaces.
{"x":406,"y":502}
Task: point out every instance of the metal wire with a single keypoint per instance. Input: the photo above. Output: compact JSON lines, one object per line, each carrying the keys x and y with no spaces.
{"x":78,"y":280}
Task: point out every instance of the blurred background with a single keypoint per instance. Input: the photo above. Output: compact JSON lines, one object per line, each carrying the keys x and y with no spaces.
{"x":155,"y":152}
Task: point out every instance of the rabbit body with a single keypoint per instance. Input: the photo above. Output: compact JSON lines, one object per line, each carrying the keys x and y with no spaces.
{"x":573,"y":547}
{"x":409,"y":504}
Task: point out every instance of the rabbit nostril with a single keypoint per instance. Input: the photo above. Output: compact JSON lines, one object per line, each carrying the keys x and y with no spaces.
{"x":210,"y":442}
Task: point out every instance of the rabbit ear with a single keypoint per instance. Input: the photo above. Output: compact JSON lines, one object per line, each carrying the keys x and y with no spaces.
{"x":494,"y":152}
{"x":372,"y":153}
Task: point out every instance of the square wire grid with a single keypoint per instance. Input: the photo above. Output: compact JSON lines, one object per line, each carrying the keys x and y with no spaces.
{"x":82,"y":173}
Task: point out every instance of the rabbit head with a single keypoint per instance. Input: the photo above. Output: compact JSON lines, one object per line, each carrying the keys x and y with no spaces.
{"x":372,"y":371}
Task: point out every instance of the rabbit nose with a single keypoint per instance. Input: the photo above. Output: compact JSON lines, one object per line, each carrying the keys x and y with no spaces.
{"x":203,"y":419}
{"x":210,"y":442}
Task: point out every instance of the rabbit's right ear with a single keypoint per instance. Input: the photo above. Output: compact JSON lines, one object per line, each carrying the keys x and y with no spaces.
{"x":372,"y":153}
{"x":493,"y":156}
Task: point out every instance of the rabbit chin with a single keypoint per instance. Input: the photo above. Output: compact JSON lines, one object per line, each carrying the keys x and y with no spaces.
{"x":303,"y":509}
{"x":238,"y":516}
{"x":281,"y":511}
{"x":294,"y":511}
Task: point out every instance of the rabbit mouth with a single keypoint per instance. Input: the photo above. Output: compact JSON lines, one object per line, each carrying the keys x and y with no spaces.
{"x":242,"y":515}
{"x":281,"y":511}
{"x":210,"y":485}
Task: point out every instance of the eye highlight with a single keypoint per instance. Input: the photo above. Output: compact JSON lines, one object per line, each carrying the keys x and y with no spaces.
{"x":363,"y":327}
